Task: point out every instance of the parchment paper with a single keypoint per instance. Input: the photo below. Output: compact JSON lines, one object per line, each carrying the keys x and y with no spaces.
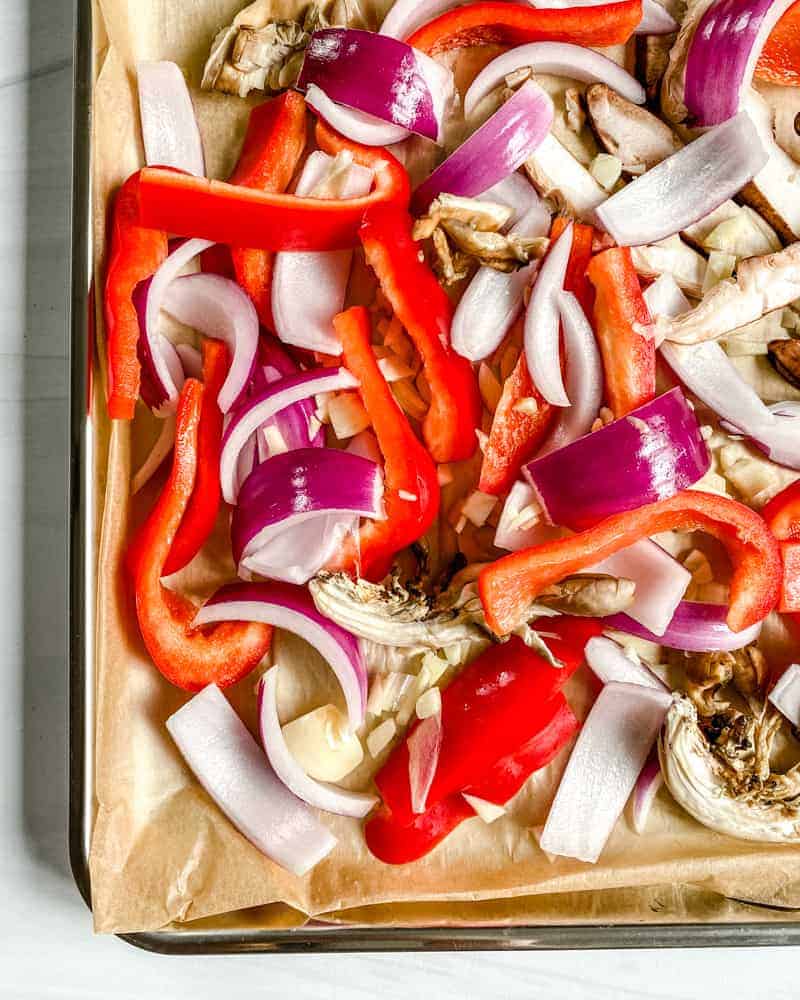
{"x":161,"y":851}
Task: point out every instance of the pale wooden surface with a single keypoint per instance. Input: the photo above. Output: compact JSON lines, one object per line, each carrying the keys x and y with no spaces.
{"x":46,"y":946}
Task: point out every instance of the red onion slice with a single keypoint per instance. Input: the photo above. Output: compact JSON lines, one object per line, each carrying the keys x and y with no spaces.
{"x":308,"y":289}
{"x":695,"y":628}
{"x":707,"y":371}
{"x":610,"y":752}
{"x":498,"y":148}
{"x":660,"y":581}
{"x":648,"y":455}
{"x":542,"y":324}
{"x":607,"y":660}
{"x":291,"y":608}
{"x":723,"y":53}
{"x":686,"y":186}
{"x":162,"y":374}
{"x":398,"y":90}
{"x":300,"y":552}
{"x":301,"y":485}
{"x":169,"y":127}
{"x":514,"y":529}
{"x":785,"y":696}
{"x":559,"y":59}
{"x":644,"y":794}
{"x":424,"y":746}
{"x":319,"y":794}
{"x":219,"y":308}
{"x":355,"y":125}
{"x":255,"y":412}
{"x":584,"y":377}
{"x":230,"y":765}
{"x":295,"y":422}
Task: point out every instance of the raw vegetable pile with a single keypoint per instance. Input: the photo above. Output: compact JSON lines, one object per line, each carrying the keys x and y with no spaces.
{"x":481,"y":410}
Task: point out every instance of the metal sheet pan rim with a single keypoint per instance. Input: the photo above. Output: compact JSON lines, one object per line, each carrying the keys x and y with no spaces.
{"x":81,"y":683}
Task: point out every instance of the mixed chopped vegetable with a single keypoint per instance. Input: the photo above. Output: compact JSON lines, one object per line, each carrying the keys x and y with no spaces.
{"x":485,"y":383}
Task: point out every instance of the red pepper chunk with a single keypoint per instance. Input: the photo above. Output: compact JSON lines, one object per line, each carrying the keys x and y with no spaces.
{"x":782,"y":515}
{"x":422,"y":306}
{"x":514,"y":24}
{"x":241,"y":216}
{"x":136,"y":254}
{"x":189,"y":658}
{"x":620,"y":315}
{"x":396,"y":844}
{"x":273,"y":145}
{"x":411,"y":486}
{"x":509,"y":585}
{"x":494,"y":706}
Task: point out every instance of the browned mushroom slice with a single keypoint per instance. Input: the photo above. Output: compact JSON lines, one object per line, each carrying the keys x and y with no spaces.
{"x":785,"y":358}
{"x":633,"y":134}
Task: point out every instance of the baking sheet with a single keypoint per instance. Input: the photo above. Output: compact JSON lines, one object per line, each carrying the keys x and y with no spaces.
{"x":161,"y":852}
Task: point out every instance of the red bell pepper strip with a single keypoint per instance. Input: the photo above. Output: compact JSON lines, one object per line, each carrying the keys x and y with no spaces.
{"x":188,"y":658}
{"x":779,"y":61}
{"x":494,"y":706}
{"x":408,"y":469}
{"x":782,"y":515}
{"x":240,"y":216}
{"x":217,"y":260}
{"x":577,"y":280}
{"x":514,"y":24}
{"x":424,"y":309}
{"x":396,"y":844}
{"x":136,"y":254}
{"x":620,"y":314}
{"x":201,"y":513}
{"x":509,"y":585}
{"x":273,"y":145}
{"x":515,"y":434}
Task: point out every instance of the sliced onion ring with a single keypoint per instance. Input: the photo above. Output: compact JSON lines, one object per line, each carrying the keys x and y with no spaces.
{"x":352,"y":124}
{"x":542,"y":327}
{"x":498,"y":148}
{"x":723,"y":53}
{"x":169,"y":127}
{"x":219,"y":308}
{"x":686,"y":186}
{"x":608,"y":661}
{"x":695,"y":628}
{"x":230,"y":765}
{"x":319,"y":794}
{"x":291,"y":608}
{"x":298,"y":553}
{"x":257,"y":411}
{"x":559,"y":59}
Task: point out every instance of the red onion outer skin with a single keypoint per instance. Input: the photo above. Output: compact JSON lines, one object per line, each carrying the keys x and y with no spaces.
{"x":372,"y":73}
{"x":304,"y":481}
{"x":695,"y":627}
{"x":723,"y":53}
{"x":495,"y":150}
{"x":619,"y":467}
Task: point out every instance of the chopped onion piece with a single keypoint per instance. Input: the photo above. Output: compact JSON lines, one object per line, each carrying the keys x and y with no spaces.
{"x":347,"y":415}
{"x":686,"y":186}
{"x":322,"y":745}
{"x":298,"y":552}
{"x":487,"y":811}
{"x":644,"y":794}
{"x":542,"y":341}
{"x":429,"y":703}
{"x":665,"y":298}
{"x":380,"y":737}
{"x":291,"y":608}
{"x":611,"y":750}
{"x":169,"y":127}
{"x":609,"y":662}
{"x":229,"y":764}
{"x":521,"y":524}
{"x":362,"y":128}
{"x":785,"y":696}
{"x":424,"y":746}
{"x":695,"y":627}
{"x":558,"y":59}
{"x":315,"y":793}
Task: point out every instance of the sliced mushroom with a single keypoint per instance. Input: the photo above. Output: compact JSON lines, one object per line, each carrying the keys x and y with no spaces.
{"x":589,"y":594}
{"x":785,"y":358}
{"x":762,"y":284}
{"x":731,"y":800}
{"x":633,"y":134}
{"x":652,"y":59}
{"x":502,"y":251}
{"x":558,"y":177}
{"x":775,"y":190}
{"x":485,"y":216}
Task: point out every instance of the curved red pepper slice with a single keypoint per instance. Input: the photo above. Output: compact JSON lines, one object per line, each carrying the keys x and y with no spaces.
{"x":620,"y":314}
{"x":189,"y":658}
{"x":782,"y":515}
{"x":408,"y":469}
{"x":135,"y":254}
{"x":396,"y":844}
{"x":273,"y":145}
{"x":514,"y":24}
{"x":424,"y":309}
{"x":240,"y":216}
{"x":491,"y":709}
{"x":509,"y":585}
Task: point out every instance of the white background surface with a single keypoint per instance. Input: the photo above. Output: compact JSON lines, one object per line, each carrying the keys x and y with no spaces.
{"x":46,"y":945}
